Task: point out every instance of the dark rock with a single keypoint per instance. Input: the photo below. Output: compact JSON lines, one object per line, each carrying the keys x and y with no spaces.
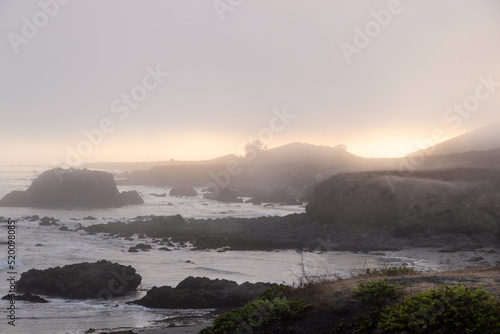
{"x":434,"y":202}
{"x":156,"y":227}
{"x":143,"y":247}
{"x":183,"y":191}
{"x":165,"y":249}
{"x":27,"y":297}
{"x":197,"y":293}
{"x":46,"y":221}
{"x":159,"y":195}
{"x":63,"y":228}
{"x":131,"y":197}
{"x":102,"y":279}
{"x":71,"y":188}
{"x":133,"y":250}
{"x":225,"y":195}
{"x":89,"y":218}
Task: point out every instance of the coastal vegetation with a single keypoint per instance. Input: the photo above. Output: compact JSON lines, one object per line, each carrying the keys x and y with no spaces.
{"x":399,"y":300}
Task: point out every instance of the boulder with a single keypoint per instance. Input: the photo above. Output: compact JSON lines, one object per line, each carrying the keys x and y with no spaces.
{"x":46,"y":221}
{"x":159,"y":195}
{"x":202,"y":292}
{"x":68,"y":188}
{"x":183,"y":191}
{"x":143,"y":247}
{"x":102,"y":279}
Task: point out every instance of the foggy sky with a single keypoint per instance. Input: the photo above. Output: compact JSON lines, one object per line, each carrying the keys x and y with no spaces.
{"x":232,"y":68}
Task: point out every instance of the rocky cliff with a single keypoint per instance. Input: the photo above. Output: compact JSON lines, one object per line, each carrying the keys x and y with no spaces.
{"x":72,"y":188}
{"x":436,"y":201}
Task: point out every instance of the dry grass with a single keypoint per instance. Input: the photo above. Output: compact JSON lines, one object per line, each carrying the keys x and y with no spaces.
{"x":324,"y":293}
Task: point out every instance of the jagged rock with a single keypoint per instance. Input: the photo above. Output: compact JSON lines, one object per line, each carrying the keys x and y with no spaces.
{"x":102,"y":279}
{"x":183,"y":191}
{"x":46,"y":221}
{"x":72,"y":188}
{"x":157,"y":227}
{"x":202,"y":292}
{"x":27,"y":297}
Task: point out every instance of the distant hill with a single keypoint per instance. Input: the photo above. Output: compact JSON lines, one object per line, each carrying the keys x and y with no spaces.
{"x":298,"y":166}
{"x":150,"y":164}
{"x":482,"y":139}
{"x":307,"y":153}
{"x":295,"y":164}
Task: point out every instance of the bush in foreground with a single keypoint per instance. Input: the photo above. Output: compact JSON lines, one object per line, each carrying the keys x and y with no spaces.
{"x":269,"y":308}
{"x":450,"y":309}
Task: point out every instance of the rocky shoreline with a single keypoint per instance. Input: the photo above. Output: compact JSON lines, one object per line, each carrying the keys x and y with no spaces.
{"x":296,"y":231}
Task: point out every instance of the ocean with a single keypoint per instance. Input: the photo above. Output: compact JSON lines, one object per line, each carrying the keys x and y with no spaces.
{"x":43,"y":247}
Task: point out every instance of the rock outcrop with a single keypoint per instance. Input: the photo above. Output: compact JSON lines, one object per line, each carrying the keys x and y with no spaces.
{"x":202,"y":292}
{"x":102,"y":279}
{"x":434,"y":201}
{"x":68,"y":188}
{"x":183,"y":191}
{"x":27,"y":297}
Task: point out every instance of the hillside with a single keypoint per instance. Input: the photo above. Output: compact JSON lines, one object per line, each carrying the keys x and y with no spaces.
{"x":482,"y":139}
{"x":426,"y":205}
{"x":295,"y":164}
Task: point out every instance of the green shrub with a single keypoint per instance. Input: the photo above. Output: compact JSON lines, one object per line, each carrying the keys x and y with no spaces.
{"x":257,"y":313}
{"x":450,"y":309}
{"x":377,"y":292}
{"x":274,"y":292}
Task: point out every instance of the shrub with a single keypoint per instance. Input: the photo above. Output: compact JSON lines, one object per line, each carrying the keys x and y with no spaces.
{"x":257,"y":313}
{"x":377,"y":292}
{"x":450,"y":309}
{"x":274,"y":292}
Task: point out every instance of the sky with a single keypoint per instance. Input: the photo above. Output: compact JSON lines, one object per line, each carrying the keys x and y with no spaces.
{"x":129,"y":80}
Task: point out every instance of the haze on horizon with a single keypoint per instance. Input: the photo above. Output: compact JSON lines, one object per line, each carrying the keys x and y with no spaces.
{"x":233,"y":69}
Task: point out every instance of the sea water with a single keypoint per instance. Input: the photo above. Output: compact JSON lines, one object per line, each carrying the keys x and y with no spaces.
{"x":44,"y":247}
